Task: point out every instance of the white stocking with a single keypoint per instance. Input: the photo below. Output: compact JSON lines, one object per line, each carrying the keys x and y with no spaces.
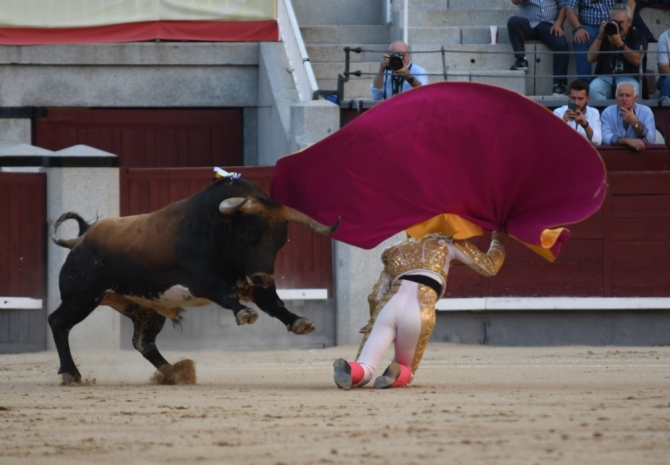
{"x":399,"y":321}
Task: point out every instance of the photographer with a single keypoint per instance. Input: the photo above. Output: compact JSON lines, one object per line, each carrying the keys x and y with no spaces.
{"x":396,"y":73}
{"x":616,"y":35}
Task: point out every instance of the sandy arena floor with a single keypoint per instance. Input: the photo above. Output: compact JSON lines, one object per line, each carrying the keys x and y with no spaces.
{"x":468,"y":405}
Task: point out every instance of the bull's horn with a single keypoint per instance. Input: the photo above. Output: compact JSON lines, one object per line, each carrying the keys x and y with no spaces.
{"x":311,"y":223}
{"x":232,"y":204}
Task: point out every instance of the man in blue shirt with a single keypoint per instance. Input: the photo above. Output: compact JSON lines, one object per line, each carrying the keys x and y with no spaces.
{"x":586,"y":25}
{"x":628,"y":123}
{"x":395,"y":76}
{"x":542,"y":20}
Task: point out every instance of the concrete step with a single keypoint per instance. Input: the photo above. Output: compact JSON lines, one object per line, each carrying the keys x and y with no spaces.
{"x":458,"y":18}
{"x":361,"y":34}
{"x":334,"y":53}
{"x":457,"y":5}
{"x":338,"y":12}
{"x":454,"y":35}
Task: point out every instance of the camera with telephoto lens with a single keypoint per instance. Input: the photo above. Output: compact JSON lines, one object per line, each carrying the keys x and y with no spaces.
{"x":611,"y":28}
{"x":396,"y":61}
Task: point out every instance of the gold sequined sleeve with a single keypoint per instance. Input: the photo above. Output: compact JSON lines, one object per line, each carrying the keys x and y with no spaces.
{"x":487,"y":264}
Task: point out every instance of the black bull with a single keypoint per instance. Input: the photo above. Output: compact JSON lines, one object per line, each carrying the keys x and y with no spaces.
{"x":217,"y":246}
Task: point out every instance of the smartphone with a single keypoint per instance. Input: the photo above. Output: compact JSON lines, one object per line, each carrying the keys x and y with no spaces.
{"x":572,"y":106}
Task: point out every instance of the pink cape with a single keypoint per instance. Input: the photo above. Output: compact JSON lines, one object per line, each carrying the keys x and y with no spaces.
{"x":484,"y":153}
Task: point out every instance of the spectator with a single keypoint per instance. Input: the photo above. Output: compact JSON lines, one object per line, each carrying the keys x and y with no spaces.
{"x":583,"y":119}
{"x":638,"y":22}
{"x":663,"y":83}
{"x":396,"y":76}
{"x":543,"y":20}
{"x":628,"y":123}
{"x":625,"y":65}
{"x":585,"y":27}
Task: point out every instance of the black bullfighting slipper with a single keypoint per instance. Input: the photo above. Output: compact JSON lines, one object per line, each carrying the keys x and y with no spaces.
{"x":396,"y":375}
{"x":342,"y":374}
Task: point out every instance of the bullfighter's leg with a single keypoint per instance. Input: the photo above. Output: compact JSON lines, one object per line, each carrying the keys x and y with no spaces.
{"x":215,"y":289}
{"x":268,"y":301}
{"x":71,"y":312}
{"x":411,"y":338}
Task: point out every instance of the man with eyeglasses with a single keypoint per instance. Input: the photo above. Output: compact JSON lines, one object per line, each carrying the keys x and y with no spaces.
{"x":623,"y":65}
{"x":585,"y":24}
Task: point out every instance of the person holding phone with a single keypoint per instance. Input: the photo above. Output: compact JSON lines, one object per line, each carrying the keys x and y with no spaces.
{"x":578,"y":115}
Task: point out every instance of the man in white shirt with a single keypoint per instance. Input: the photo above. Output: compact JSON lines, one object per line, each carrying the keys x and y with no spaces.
{"x":582,"y":118}
{"x":396,"y":73}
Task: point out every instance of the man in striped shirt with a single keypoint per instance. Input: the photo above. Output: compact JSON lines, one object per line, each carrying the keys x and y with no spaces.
{"x":586,"y":25}
{"x":542,"y":20}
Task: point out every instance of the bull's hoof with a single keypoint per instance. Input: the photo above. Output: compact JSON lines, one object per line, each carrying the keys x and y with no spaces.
{"x":69,"y":379}
{"x":301,"y":326}
{"x":246,"y":316}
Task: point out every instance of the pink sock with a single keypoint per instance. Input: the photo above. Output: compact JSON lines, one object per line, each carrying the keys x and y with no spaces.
{"x":403,"y":378}
{"x":357,"y":373}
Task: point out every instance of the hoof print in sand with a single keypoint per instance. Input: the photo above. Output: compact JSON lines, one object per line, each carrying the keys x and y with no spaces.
{"x":182,"y":372}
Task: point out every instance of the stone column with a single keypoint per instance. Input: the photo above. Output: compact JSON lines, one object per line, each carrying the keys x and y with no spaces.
{"x":84,"y":180}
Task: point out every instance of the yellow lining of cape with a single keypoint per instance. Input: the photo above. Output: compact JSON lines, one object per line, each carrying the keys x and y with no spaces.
{"x":452,"y":225}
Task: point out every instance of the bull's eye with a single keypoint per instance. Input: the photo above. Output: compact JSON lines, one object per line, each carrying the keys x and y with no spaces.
{"x":250,"y":236}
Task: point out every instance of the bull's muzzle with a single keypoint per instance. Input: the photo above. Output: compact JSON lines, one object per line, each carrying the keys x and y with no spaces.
{"x":261,"y":279}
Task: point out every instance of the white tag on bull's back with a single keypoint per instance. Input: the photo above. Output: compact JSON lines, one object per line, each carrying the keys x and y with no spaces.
{"x":221,"y":173}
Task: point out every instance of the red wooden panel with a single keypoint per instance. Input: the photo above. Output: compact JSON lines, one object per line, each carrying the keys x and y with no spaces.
{"x":148,"y":138}
{"x":654,"y":158}
{"x":641,"y":206}
{"x":548,"y":279}
{"x":304,"y":262}
{"x":650,"y":229}
{"x":643,"y":183}
{"x":576,"y":250}
{"x":643,"y":275}
{"x":591,"y":228}
{"x":641,"y":252}
{"x":23,"y":209}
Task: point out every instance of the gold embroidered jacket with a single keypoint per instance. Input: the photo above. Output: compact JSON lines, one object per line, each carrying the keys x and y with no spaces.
{"x":434,"y":253}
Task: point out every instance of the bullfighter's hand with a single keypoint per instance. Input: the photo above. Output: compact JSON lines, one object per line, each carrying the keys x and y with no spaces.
{"x":500,"y":236}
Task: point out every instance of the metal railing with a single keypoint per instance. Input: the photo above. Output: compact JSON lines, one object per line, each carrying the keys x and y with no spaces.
{"x":347,"y":73}
{"x":299,"y":65}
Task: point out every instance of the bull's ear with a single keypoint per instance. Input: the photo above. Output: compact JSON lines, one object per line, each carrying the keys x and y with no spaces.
{"x":232,"y":204}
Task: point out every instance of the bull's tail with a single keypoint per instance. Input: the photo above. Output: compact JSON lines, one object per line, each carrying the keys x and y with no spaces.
{"x":69,"y":243}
